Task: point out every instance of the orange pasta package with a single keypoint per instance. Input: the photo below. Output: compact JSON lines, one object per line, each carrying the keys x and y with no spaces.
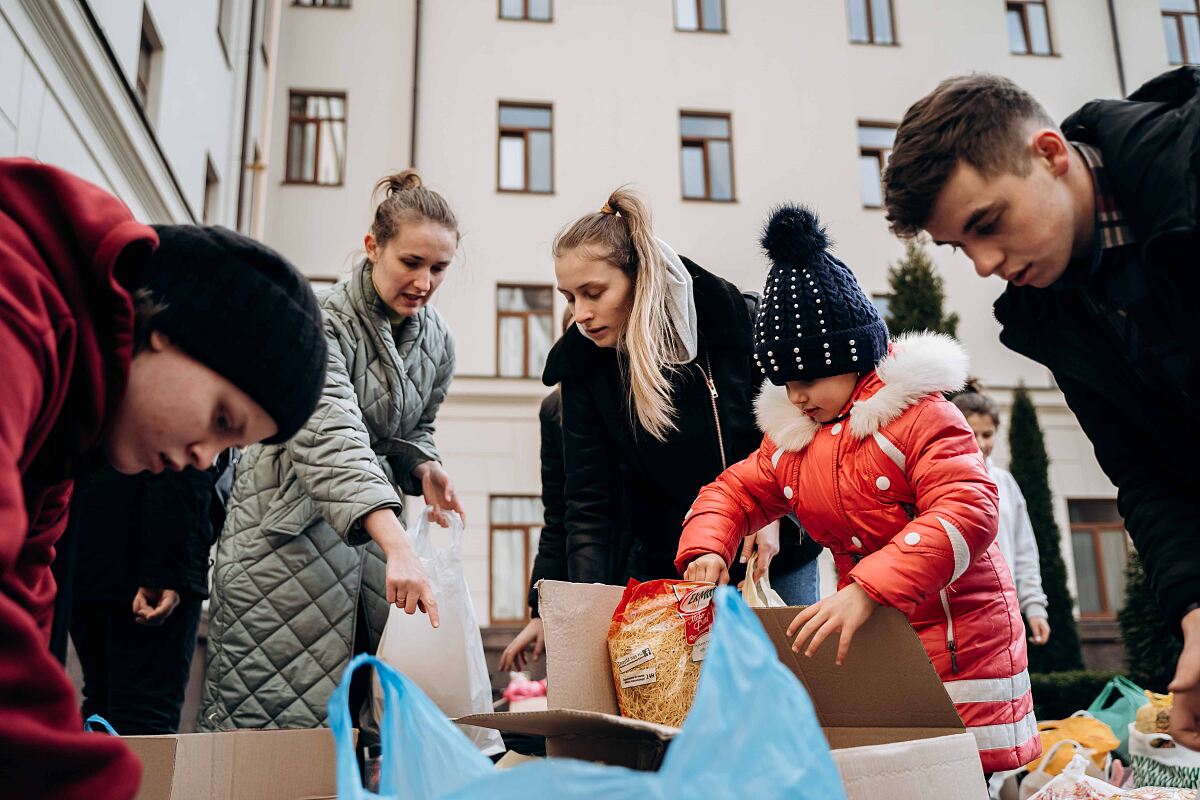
{"x":656,"y":641}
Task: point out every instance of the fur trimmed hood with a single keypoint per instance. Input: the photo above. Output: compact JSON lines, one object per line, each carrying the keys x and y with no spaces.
{"x":917,"y":365}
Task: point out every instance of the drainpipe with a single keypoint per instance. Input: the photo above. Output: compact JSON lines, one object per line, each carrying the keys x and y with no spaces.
{"x":241,"y":202}
{"x":1116,"y":37}
{"x":412,"y":134}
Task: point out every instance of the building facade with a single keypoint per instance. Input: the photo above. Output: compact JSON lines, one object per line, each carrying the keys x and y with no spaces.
{"x":526,"y":113}
{"x":163,"y":103}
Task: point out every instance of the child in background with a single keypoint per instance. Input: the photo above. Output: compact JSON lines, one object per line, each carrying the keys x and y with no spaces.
{"x":881,"y":469}
{"x":1014,"y":532}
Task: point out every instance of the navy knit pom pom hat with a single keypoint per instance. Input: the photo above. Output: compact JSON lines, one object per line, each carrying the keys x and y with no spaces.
{"x":814,"y":320}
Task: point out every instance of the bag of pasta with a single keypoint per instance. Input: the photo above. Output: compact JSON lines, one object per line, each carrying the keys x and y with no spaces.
{"x":656,"y":641}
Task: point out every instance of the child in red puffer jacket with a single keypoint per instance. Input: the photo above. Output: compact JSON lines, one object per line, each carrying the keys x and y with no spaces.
{"x":863,"y":448}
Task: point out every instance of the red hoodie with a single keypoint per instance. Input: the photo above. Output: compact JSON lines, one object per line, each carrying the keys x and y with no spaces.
{"x":66,"y":331}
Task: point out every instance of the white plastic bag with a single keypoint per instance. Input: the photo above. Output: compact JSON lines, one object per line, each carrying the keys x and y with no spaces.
{"x":759,"y":594}
{"x":1158,"y":761}
{"x":446,"y":662}
{"x":1075,"y":784}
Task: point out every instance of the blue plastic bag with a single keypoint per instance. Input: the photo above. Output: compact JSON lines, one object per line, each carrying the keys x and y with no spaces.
{"x":91,"y":722}
{"x":752,"y":732}
{"x":423,"y":755}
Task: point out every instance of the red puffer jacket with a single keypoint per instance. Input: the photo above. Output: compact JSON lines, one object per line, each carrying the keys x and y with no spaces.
{"x":898,"y":491}
{"x":66,"y":339}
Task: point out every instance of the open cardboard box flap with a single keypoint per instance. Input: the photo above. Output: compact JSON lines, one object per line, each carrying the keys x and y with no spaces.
{"x":890,"y":724}
{"x":236,"y":765}
{"x":887,"y":690}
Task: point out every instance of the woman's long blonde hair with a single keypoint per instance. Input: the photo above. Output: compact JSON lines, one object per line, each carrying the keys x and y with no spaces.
{"x":620,"y":233}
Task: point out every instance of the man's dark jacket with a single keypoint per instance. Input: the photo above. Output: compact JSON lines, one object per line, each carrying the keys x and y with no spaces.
{"x":1119,"y":342}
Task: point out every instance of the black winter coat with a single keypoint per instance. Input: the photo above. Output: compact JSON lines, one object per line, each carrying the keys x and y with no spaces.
{"x":1120,"y":346}
{"x":551,"y":560}
{"x":144,"y":530}
{"x":658,"y":480}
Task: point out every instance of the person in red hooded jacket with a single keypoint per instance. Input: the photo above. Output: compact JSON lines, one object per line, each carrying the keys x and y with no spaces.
{"x":880,"y":468}
{"x":151,"y":348}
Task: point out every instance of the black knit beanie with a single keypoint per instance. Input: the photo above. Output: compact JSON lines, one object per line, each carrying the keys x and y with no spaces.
{"x":814,"y":320}
{"x":244,"y":311}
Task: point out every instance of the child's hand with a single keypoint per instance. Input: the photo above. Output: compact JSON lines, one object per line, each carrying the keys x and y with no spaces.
{"x":708,"y":567}
{"x":845,"y":611}
{"x":766,"y":544}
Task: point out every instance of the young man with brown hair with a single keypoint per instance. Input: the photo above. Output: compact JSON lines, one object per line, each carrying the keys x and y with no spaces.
{"x":1094,"y":226}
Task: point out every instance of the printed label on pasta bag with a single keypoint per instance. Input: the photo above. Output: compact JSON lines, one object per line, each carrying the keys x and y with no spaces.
{"x":700,"y":649}
{"x":635,"y":659}
{"x":697,"y":611}
{"x":640,"y":678}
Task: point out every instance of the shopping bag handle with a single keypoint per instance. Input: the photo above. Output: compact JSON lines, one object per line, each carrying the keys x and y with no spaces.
{"x":421,"y":539}
{"x":96,"y":719}
{"x":1123,"y":686}
{"x":349,"y":779}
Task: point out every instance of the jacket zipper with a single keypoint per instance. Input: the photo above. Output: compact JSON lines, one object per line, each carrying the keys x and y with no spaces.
{"x":949,"y":632}
{"x":911,"y":511}
{"x":712,"y":391}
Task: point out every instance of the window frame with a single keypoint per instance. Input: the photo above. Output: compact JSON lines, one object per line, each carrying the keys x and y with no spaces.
{"x":525,"y":316}
{"x":871,"y":39}
{"x":877,"y":152}
{"x":1094,"y":529}
{"x":702,"y":141}
{"x":212,"y":187}
{"x":224,"y":21}
{"x":150,"y":48}
{"x":288,"y":180}
{"x":1023,"y":5}
{"x":525,"y":15}
{"x":527,"y":561}
{"x":510,"y":131}
{"x":700,"y":19}
{"x":342,"y":5}
{"x":1177,"y":18}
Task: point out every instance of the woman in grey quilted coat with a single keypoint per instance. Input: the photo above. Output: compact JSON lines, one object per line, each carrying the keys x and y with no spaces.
{"x":313,"y":551}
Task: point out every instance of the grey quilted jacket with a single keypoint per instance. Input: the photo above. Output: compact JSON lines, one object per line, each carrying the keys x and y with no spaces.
{"x":294,"y":565}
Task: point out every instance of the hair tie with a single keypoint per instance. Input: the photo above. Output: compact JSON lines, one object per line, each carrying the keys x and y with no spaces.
{"x":608,"y":209}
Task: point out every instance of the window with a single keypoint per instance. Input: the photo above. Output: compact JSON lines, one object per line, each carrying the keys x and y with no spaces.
{"x":524,"y":330}
{"x":257,"y":170}
{"x":883,"y":304}
{"x":211,"y":185}
{"x":514,"y":529}
{"x":1028,"y":28}
{"x":871,"y":21}
{"x":706,"y":156}
{"x":1181,"y":27}
{"x":1101,"y":548}
{"x":322,"y":3}
{"x":875,"y":142}
{"x":700,"y":15}
{"x":316,"y":149}
{"x":535,"y":10}
{"x":149,"y":57}
{"x":260,"y":25}
{"x":526,"y":158}
{"x":224,"y":24}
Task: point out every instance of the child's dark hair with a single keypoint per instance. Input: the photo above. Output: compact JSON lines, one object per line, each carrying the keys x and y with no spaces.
{"x":972,"y":400}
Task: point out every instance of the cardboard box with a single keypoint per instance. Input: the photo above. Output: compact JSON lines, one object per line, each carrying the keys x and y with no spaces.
{"x":237,"y":765}
{"x":891,"y":726}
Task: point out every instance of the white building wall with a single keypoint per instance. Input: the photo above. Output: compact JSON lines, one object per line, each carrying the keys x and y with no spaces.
{"x":618,"y":74}
{"x":366,"y":52}
{"x":64,"y":101}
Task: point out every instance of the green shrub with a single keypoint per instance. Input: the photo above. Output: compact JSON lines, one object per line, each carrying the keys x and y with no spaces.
{"x":1058,"y":695}
{"x":1150,"y":648}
